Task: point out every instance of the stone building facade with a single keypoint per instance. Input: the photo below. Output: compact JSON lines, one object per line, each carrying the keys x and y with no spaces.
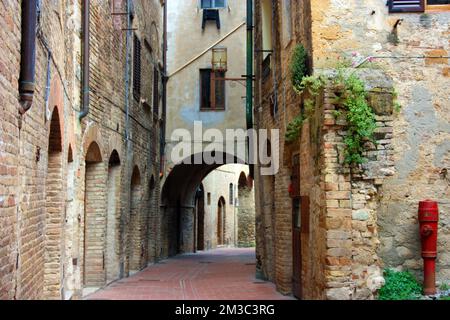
{"x":196,"y":28}
{"x":354,"y":222}
{"x":79,"y":198}
{"x":225,"y":209}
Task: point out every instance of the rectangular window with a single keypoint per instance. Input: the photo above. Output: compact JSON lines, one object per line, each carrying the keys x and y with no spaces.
{"x":212,"y":4}
{"x":438,"y":2}
{"x":137,"y":68}
{"x":406,"y":5}
{"x":212,"y":92}
{"x":208,"y":199}
{"x":418,"y":5}
{"x":438,"y":5}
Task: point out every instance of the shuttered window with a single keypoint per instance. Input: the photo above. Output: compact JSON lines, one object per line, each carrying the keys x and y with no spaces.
{"x":406,"y":5}
{"x":212,"y":93}
{"x":155,"y":92}
{"x":438,"y":2}
{"x":213,"y":4}
{"x":205,"y":87}
{"x":137,"y":68}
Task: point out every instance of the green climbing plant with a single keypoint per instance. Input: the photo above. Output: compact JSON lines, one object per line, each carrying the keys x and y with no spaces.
{"x":293,"y":129}
{"x":298,"y":65}
{"x":360,"y":118}
{"x":355,"y":108}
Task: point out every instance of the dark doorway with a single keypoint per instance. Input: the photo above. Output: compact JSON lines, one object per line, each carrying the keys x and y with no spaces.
{"x":296,"y":228}
{"x":221,"y":219}
{"x":200,"y":214}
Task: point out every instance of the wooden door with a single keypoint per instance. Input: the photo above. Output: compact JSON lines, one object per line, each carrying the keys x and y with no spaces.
{"x":297,"y":248}
{"x":296,"y":228}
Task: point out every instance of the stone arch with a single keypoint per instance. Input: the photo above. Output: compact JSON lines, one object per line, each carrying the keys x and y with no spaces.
{"x":137,"y":220}
{"x":54,"y":231}
{"x":221,"y":221}
{"x":154,"y":34}
{"x":242,"y":182}
{"x":94,"y":214}
{"x":112,"y":253}
{"x":178,"y":202}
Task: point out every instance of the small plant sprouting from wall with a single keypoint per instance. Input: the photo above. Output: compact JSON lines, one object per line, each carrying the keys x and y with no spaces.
{"x":293,"y":129}
{"x":299,"y":68}
{"x":399,"y":286}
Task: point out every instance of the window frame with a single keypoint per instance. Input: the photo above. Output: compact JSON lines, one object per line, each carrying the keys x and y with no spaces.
{"x":214,"y":7}
{"x":137,"y":67}
{"x":426,"y":8}
{"x":436,"y":7}
{"x":212,"y":95}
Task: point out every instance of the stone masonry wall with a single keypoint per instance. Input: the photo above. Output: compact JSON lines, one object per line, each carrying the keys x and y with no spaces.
{"x":420,"y":130}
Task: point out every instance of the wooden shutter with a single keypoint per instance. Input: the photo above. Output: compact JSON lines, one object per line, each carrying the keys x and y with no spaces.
{"x":219,"y":88}
{"x":406,"y":5}
{"x":155,"y":92}
{"x":205,"y":89}
{"x":137,"y":68}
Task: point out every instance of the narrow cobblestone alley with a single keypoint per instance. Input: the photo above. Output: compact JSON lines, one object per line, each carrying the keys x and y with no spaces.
{"x":221,"y":274}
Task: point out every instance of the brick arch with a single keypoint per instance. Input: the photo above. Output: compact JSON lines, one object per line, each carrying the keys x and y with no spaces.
{"x":154,"y":38}
{"x":54,"y":200}
{"x":137,"y":231}
{"x":93,"y":134}
{"x":56,"y":100}
{"x":92,"y":149}
{"x":115,"y":143}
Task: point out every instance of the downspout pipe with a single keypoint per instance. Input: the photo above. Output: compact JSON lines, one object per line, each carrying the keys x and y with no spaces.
{"x":85,"y":82}
{"x":164,"y":93}
{"x":249,"y":76}
{"x":28,"y":55}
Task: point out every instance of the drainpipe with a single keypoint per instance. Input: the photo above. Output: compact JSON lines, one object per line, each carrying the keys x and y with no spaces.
{"x":86,"y":58}
{"x":127,"y":74}
{"x":164,"y":94}
{"x":249,"y":76}
{"x":28,"y":55}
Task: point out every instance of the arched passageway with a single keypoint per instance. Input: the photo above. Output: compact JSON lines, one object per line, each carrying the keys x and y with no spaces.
{"x":180,"y":204}
{"x":94,"y":218}
{"x":113,"y":218}
{"x":54,"y":235}
{"x":136,"y":231}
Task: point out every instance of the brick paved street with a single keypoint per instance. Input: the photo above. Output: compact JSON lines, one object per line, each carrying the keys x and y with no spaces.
{"x":222,"y":274}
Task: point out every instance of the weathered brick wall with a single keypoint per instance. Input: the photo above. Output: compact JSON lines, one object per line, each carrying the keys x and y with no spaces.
{"x":275,"y":105}
{"x":43,"y":189}
{"x":378,"y":204}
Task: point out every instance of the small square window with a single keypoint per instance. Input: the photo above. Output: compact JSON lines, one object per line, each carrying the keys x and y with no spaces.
{"x":213,"y":4}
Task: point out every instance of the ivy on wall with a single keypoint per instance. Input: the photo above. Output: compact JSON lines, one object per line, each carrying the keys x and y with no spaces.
{"x":352,"y":98}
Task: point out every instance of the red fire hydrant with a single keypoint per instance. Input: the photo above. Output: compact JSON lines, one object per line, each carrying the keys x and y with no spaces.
{"x":428,"y":220}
